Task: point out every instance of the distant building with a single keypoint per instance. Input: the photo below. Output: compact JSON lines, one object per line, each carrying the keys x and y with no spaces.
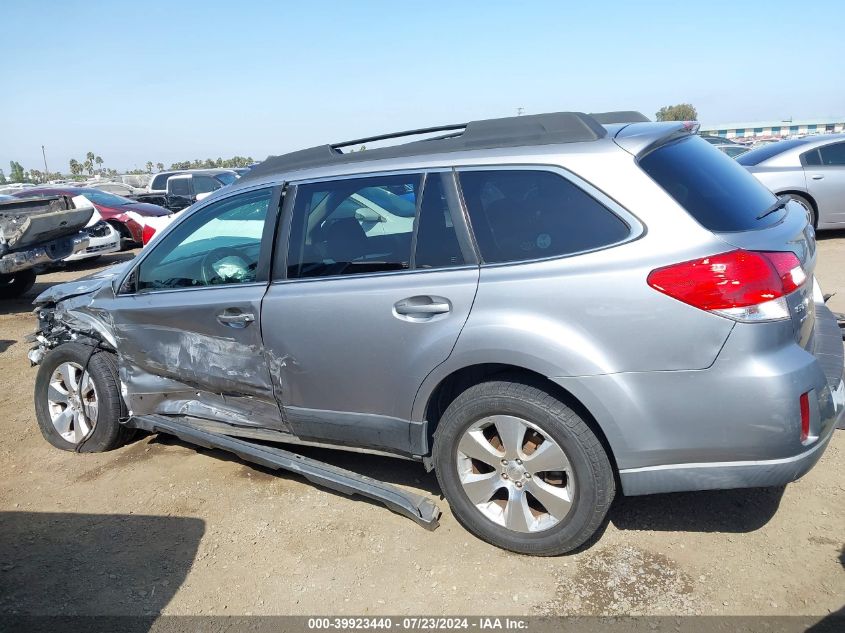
{"x":776,"y":129}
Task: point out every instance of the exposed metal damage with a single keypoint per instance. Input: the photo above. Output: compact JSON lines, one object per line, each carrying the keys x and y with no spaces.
{"x":37,"y":231}
{"x":159,"y":371}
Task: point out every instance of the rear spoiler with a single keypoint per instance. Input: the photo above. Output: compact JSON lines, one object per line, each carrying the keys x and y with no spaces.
{"x":623,"y":116}
{"x":641,"y":138}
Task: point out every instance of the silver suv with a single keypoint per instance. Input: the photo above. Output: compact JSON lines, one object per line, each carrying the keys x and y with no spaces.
{"x":542,"y":309}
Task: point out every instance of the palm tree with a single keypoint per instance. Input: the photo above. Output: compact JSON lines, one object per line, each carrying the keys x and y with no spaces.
{"x":99,"y":162}
{"x":149,"y":167}
{"x":159,"y":166}
{"x":75,"y":167}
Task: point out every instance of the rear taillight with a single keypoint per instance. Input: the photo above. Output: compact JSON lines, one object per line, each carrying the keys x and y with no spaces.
{"x":742,"y":285}
{"x":804,"y":402}
{"x":147,"y":234}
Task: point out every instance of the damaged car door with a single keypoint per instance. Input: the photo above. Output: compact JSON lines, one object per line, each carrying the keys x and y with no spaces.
{"x":187,"y":317}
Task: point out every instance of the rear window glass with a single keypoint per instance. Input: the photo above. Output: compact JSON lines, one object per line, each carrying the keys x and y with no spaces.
{"x":160,"y":181}
{"x":833,"y":154}
{"x":519,"y":215}
{"x":720,"y":194}
{"x":765,"y":152}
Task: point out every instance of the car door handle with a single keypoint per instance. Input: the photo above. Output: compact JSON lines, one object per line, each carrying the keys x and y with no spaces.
{"x":817,"y":177}
{"x":423,"y":306}
{"x":235,"y":319}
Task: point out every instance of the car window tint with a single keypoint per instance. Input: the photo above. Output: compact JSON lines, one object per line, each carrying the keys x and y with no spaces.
{"x":179,"y":186}
{"x":767,"y":151}
{"x":205,"y":184}
{"x":529,"y":214}
{"x":714,"y":189}
{"x":218,"y":245}
{"x":811,"y":158}
{"x":225,"y":178}
{"x":833,"y":154}
{"x":351,"y":226}
{"x":160,"y":181}
{"x":437,"y":242}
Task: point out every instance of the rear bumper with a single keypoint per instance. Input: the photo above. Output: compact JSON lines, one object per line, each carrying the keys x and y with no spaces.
{"x":99,"y":244}
{"x":724,"y":475}
{"x":736,"y":424}
{"x":43,"y":254}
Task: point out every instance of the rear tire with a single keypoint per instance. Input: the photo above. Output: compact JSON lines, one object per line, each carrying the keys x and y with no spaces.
{"x":483,"y":452}
{"x":807,"y":205}
{"x":15,"y":284}
{"x":77,"y":400}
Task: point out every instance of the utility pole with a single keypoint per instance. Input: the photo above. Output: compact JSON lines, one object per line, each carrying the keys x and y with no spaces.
{"x":44,"y":154}
{"x":519,"y":111}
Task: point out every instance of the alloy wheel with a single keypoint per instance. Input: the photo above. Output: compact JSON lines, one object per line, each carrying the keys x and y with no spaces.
{"x":72,"y":402}
{"x":515,"y":474}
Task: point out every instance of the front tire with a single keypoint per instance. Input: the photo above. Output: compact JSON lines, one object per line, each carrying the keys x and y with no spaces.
{"x":522,"y":470}
{"x":77,"y":400}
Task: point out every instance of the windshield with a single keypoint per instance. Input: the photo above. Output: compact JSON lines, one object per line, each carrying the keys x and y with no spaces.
{"x":103,"y":197}
{"x":764,"y":152}
{"x":226,"y":178}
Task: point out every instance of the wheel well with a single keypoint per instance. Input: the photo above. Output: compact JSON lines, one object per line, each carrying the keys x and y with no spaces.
{"x":808,"y":198}
{"x":459,"y":381}
{"x":120,"y":228}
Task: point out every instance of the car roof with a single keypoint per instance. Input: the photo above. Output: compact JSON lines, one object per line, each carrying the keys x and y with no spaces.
{"x":205,"y":170}
{"x":793,"y":146}
{"x":530,"y":130}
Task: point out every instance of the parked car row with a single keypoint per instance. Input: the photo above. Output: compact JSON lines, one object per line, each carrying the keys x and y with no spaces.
{"x":135,"y":219}
{"x":124,"y":215}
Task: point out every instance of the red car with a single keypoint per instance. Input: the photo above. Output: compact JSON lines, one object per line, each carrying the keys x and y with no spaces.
{"x":114,"y":209}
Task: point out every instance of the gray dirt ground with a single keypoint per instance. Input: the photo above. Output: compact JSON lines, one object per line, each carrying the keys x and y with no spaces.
{"x":161,"y":526}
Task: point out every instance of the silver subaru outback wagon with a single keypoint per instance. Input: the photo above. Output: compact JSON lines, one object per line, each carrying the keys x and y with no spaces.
{"x":545,"y":310}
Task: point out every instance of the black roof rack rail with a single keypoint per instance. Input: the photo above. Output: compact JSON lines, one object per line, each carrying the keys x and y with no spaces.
{"x":622,"y":116}
{"x":384,"y":137}
{"x":534,"y":129}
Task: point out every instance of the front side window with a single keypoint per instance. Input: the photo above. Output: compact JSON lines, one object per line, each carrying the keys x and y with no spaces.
{"x":179,"y":186}
{"x":833,"y":154}
{"x":519,"y":215}
{"x":218,"y":245}
{"x":351,"y":226}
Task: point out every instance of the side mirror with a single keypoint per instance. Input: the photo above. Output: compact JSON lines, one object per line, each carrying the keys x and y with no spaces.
{"x":365,"y":214}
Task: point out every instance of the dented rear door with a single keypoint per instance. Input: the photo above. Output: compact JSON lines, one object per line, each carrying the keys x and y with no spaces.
{"x":188,"y":320}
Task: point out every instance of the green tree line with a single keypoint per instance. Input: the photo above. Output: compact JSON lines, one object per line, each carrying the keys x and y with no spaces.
{"x":93,"y":164}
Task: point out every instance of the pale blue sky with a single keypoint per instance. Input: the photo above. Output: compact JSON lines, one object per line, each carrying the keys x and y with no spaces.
{"x":167,"y":81}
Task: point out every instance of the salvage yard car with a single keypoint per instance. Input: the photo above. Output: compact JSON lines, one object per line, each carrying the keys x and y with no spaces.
{"x":558,"y":309}
{"x":40,"y":231}
{"x":810,"y":170}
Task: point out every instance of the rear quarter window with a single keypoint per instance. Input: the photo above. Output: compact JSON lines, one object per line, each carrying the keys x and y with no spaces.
{"x":719,"y":193}
{"x":522,"y":214}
